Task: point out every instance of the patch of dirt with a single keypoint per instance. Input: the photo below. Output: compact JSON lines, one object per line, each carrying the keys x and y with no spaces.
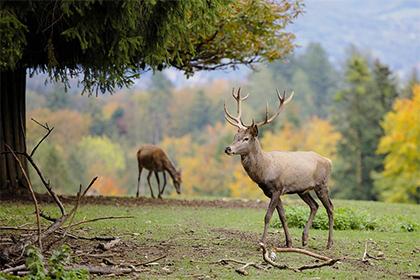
{"x":144,"y":201}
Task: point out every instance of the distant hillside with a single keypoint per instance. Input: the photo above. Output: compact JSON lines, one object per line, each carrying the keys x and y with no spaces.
{"x":389,"y":30}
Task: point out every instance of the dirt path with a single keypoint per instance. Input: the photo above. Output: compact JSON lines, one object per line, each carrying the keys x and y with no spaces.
{"x":143,"y":201}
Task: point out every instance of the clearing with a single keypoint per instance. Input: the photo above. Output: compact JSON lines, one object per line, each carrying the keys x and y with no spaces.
{"x":194,"y":234}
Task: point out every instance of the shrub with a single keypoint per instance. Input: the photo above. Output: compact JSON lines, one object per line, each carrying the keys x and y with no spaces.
{"x":344,"y":219}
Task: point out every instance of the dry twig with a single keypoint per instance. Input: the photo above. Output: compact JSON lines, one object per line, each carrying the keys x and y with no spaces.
{"x":38,"y":223}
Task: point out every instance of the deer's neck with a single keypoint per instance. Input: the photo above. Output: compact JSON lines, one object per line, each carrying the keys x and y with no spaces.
{"x":254,"y":162}
{"x":169,"y":166}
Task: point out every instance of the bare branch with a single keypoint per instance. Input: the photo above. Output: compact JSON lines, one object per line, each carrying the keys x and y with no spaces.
{"x":98,"y":219}
{"x":38,"y":223}
{"x":49,"y":130}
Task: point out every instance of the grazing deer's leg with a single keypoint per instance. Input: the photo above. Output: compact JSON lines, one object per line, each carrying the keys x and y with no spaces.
{"x":314,"y":207}
{"x":273,"y":203}
{"x":150,"y":186}
{"x":158,"y":181}
{"x":164,"y":182}
{"x":322,"y":194}
{"x":282,"y":215}
{"x":138,"y":181}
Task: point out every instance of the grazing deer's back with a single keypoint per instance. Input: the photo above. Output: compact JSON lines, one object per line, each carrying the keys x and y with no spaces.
{"x":151,"y":157}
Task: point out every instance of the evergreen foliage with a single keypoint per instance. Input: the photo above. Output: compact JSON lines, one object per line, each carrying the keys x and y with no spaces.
{"x":108,"y":43}
{"x":360,"y":107}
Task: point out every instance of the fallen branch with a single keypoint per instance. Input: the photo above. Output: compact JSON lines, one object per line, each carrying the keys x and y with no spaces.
{"x":14,"y":269}
{"x":97,"y":238}
{"x":37,"y":212}
{"x":91,"y":269}
{"x":364,"y":257}
{"x":328,"y":261}
{"x":267,"y":258}
{"x":109,"y":245}
{"x":414,"y":275}
{"x":104,"y":269}
{"x":151,"y":261}
{"x":302,"y":251}
{"x":97,"y":219}
{"x":240,"y":270}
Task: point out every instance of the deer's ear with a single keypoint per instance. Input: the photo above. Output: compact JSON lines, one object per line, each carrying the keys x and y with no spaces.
{"x":254,"y":130}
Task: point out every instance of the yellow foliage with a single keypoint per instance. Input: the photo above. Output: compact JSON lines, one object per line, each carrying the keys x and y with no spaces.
{"x":400,"y":180}
{"x":177,"y":147}
{"x":317,"y":135}
{"x":243,"y":186}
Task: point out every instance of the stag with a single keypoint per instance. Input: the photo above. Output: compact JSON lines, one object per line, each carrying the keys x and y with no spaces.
{"x":281,"y":172}
{"x":155,"y":160}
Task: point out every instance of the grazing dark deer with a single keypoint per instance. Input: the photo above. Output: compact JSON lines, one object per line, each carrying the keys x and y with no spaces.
{"x":155,"y":160}
{"x":278,"y":173}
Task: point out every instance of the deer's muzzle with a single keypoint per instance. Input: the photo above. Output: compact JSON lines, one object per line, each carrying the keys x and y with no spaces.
{"x":228,"y":150}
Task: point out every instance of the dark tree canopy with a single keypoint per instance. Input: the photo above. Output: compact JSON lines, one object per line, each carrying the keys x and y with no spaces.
{"x":111,"y":42}
{"x":106,"y":44}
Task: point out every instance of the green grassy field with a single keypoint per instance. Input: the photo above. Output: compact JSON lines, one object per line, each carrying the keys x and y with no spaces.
{"x":194,"y":237}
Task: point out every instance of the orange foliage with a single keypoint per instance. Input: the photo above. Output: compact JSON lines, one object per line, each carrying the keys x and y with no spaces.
{"x":107,"y":186}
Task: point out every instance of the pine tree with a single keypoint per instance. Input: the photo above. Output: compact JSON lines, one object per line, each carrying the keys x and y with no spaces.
{"x":360,"y":107}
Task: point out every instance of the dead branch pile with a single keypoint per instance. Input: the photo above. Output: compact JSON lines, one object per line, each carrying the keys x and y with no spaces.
{"x":59,"y":228}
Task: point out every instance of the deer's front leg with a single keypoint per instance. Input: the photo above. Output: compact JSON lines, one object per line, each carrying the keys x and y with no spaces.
{"x":164,"y":182}
{"x":282,"y":215}
{"x":150,"y":186}
{"x":273,"y":203}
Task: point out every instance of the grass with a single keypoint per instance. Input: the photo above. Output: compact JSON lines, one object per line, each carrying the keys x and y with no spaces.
{"x":194,"y":236}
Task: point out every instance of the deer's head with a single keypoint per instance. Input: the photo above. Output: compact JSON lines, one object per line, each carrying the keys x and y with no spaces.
{"x":177,"y":181}
{"x":246,"y":137}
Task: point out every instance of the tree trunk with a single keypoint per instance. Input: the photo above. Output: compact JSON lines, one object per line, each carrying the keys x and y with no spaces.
{"x":12,"y":132}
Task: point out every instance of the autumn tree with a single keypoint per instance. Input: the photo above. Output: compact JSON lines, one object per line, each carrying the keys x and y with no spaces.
{"x":400,"y":180}
{"x":106,"y":44}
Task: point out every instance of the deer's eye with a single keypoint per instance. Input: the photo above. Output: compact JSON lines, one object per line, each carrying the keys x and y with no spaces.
{"x":245,"y":139}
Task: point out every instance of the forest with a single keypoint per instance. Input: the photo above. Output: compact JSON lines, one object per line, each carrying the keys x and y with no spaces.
{"x":358,"y":113}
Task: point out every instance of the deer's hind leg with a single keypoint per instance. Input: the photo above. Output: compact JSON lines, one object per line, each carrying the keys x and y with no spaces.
{"x":314,"y":207}
{"x":150,"y":186}
{"x":138,"y":181}
{"x":322,"y":193}
{"x":164,"y":183}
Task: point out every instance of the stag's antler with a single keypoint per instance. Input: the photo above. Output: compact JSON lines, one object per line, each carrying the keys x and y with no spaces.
{"x":283,"y":101}
{"x":236,"y":121}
